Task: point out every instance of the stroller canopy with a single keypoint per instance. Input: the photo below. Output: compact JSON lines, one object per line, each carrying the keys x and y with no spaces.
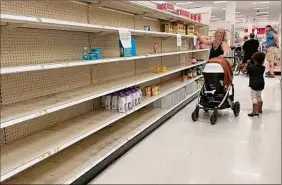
{"x":213,"y":68}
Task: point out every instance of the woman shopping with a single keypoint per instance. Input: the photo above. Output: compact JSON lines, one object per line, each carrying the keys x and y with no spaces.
{"x":219,"y":45}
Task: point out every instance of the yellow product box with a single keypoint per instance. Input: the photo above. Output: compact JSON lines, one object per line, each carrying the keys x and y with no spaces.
{"x":164,"y":69}
{"x":167,"y":27}
{"x":155,"y":90}
{"x":159,"y":69}
{"x":190,"y":30}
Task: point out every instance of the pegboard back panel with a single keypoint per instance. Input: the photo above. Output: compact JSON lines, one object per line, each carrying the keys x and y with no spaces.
{"x":172,"y":76}
{"x":23,"y":46}
{"x":171,"y":61}
{"x":98,"y":15}
{"x":102,"y":73}
{"x":61,"y":10}
{"x":148,"y":65}
{"x":18,"y":131}
{"x":23,"y":86}
{"x":202,"y":55}
{"x":155,"y":24}
{"x":144,"y":45}
{"x":2,"y":137}
{"x":169,"y":45}
{"x":108,"y":43}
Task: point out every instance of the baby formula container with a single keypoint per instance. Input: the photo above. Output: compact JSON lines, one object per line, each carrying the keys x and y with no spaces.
{"x":115,"y":101}
{"x":108,"y":102}
{"x":121,"y":102}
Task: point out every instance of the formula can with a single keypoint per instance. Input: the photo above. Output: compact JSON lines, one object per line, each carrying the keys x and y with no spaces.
{"x":148,"y":91}
{"x":156,"y":90}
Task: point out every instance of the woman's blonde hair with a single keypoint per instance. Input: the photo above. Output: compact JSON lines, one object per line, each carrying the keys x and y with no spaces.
{"x":222,"y":38}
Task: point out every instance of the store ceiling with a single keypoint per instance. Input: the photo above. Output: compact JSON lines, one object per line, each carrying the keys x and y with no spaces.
{"x":246,"y":8}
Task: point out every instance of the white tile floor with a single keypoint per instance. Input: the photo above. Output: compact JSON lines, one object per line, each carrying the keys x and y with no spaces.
{"x":236,"y":150}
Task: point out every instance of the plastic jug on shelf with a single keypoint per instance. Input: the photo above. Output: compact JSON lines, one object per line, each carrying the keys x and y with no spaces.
{"x":121,"y":102}
{"x":108,"y":102}
{"x":115,"y":101}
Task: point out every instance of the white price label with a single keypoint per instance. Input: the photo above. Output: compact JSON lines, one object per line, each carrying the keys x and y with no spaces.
{"x":125,"y":37}
{"x":195,"y":40}
{"x":178,"y":40}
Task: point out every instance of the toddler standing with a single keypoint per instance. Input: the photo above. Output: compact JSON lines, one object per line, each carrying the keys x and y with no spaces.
{"x":256,"y":70}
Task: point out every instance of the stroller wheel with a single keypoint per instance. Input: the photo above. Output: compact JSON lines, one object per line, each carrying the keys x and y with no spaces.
{"x":206,"y":110}
{"x":236,"y":108}
{"x":195,"y":114}
{"x":213,"y":118}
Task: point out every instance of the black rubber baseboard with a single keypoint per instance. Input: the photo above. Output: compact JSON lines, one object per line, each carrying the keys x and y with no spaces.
{"x":91,"y":174}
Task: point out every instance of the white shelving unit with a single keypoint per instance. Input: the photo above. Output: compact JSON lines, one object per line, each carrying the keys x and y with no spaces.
{"x":61,"y":136}
{"x":53,"y":129}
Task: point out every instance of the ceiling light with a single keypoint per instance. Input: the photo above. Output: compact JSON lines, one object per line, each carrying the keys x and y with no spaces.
{"x":261,"y":8}
{"x":223,"y":9}
{"x":262,"y":2}
{"x":189,"y":2}
{"x":262,"y":12}
{"x":237,"y":12}
{"x":263,"y":15}
{"x":216,"y":19}
{"x":217,"y":2}
{"x":241,"y":15}
{"x":213,"y":16}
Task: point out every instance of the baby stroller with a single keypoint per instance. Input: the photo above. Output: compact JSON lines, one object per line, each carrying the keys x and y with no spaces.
{"x":214,"y":95}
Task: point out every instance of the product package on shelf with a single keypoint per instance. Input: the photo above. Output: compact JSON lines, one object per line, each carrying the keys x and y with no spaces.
{"x":191,"y":73}
{"x":167,"y":27}
{"x":161,"y":69}
{"x":179,"y":28}
{"x":93,"y":54}
{"x":123,"y":100}
{"x":152,"y":90}
{"x":190,"y":30}
{"x":128,"y":52}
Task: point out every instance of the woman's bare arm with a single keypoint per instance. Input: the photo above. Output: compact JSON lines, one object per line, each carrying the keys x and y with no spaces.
{"x":226,"y":49}
{"x":204,"y":40}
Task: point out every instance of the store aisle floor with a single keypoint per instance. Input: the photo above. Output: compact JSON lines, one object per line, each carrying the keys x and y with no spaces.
{"x":236,"y":150}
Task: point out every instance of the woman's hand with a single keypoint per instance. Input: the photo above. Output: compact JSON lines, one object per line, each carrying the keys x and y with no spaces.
{"x":197,"y":34}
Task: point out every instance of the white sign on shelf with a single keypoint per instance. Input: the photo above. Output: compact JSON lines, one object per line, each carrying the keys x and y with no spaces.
{"x":195,"y":40}
{"x":178,"y":40}
{"x":125,"y":37}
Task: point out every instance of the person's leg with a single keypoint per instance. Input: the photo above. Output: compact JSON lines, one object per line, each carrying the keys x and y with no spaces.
{"x":255,"y":104}
{"x":260,"y":102}
{"x":270,"y":57}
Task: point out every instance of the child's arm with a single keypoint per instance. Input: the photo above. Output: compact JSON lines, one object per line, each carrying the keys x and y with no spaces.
{"x":249,"y":66}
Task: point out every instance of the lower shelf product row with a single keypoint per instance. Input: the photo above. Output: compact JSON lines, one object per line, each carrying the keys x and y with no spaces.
{"x":126,"y":99}
{"x":68,"y":165}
